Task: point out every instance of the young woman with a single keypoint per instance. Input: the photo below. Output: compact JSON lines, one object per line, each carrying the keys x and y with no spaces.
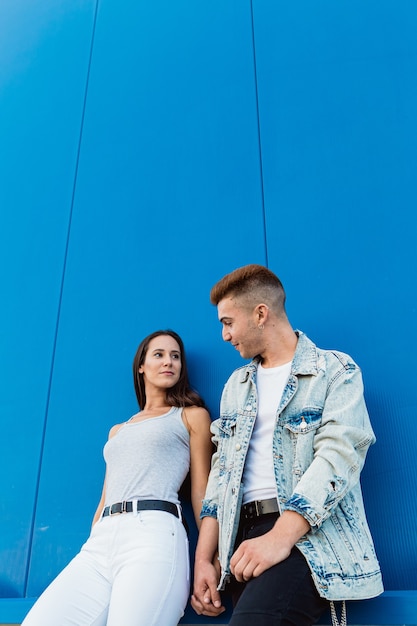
{"x":134,"y":568}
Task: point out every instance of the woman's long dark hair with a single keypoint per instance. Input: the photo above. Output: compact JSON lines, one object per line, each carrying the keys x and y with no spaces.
{"x":181,"y":394}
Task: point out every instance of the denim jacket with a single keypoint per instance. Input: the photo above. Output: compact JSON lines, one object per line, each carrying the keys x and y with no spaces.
{"x":321,"y":436}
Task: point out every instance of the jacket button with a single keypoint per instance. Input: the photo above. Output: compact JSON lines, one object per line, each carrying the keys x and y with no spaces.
{"x":238,"y":447}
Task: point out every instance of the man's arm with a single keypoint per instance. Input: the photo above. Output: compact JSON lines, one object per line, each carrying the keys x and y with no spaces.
{"x":254,"y":556}
{"x":206,"y":599}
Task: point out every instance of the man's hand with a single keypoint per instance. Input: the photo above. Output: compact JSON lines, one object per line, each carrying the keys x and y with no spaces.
{"x":206,"y":599}
{"x":256,"y":555}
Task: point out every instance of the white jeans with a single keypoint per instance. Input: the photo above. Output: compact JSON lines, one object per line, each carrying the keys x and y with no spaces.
{"x":132,"y":571}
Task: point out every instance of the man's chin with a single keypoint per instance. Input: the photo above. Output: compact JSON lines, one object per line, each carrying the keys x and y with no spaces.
{"x":244,"y":354}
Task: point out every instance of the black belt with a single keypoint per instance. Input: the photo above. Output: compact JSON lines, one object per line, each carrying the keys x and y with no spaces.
{"x":141,"y":505}
{"x":254,"y":509}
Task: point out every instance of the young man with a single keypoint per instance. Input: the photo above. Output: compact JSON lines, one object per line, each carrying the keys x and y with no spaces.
{"x":283,"y":504}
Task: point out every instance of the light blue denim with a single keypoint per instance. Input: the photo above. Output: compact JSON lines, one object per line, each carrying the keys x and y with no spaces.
{"x":321,"y":437}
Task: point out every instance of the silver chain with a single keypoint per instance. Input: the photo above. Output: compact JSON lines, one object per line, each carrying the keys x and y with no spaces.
{"x":335,"y":621}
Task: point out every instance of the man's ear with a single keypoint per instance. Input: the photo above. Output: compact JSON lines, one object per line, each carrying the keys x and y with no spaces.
{"x":261,"y":311}
{"x":261,"y":315}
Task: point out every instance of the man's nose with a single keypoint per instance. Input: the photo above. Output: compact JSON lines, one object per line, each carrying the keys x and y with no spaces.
{"x":226,"y":334}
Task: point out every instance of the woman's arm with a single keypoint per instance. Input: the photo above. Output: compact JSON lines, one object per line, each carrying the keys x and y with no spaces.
{"x":198,"y":423}
{"x":99,"y":509}
{"x":100,"y":506}
{"x":206,"y":599}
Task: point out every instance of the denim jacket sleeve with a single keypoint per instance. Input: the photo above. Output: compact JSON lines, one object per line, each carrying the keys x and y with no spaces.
{"x":340,"y":444}
{"x":210,"y":501}
{"x":236,"y":412}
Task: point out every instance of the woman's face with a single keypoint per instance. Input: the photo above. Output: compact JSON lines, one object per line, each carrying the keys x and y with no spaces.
{"x":162,"y":365}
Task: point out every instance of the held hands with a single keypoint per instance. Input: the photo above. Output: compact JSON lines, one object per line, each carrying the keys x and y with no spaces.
{"x":206,"y":599}
{"x":253,"y":557}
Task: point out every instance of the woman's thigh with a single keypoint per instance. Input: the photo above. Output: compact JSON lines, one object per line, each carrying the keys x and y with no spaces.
{"x":133,"y":570}
{"x":78,"y":595}
{"x":151,"y":575}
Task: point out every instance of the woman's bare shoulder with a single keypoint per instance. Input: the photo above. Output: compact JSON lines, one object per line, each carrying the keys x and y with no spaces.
{"x":197,"y":417}
{"x":115,"y":429}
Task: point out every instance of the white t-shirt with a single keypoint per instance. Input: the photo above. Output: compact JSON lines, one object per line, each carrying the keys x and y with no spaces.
{"x":258,"y":473}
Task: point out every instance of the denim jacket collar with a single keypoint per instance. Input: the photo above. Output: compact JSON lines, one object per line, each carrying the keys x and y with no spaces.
{"x":304,"y":363}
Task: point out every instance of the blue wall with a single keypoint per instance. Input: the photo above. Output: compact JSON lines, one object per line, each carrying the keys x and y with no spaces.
{"x":148,"y":148}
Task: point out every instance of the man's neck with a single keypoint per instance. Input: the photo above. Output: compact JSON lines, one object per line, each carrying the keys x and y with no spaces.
{"x":280,"y":348}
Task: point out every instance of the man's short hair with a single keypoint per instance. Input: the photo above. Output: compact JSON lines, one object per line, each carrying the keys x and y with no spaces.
{"x":252,"y":284}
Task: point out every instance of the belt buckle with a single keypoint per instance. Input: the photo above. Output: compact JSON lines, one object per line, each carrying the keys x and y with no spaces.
{"x":252,"y":510}
{"x":122,"y":508}
{"x":258,"y":508}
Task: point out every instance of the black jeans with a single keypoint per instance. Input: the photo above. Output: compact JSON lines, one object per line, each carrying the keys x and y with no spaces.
{"x":283,"y":595}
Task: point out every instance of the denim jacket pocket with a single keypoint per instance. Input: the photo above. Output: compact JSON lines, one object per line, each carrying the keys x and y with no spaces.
{"x":227,"y":426}
{"x":304,"y":422}
{"x":302,"y":428}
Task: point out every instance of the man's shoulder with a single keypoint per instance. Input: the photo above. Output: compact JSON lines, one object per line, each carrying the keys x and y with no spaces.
{"x":338,"y":358}
{"x":308,"y":350}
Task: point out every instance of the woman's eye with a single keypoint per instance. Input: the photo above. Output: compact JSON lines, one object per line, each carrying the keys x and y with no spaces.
{"x":176,"y":357}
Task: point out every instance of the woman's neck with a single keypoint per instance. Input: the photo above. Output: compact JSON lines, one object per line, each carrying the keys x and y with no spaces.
{"x":156,"y":402}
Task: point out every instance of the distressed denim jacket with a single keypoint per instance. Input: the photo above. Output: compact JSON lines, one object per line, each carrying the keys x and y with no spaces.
{"x":321,"y":436}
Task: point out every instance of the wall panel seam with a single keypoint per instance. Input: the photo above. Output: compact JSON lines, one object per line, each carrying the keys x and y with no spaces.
{"x":61,"y":290}
{"x":259,"y":130}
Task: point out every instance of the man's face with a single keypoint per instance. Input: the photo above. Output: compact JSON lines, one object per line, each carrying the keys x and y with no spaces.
{"x":239,"y":327}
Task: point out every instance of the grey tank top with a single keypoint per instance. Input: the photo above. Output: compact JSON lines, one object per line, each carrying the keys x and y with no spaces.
{"x":148,"y":460}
